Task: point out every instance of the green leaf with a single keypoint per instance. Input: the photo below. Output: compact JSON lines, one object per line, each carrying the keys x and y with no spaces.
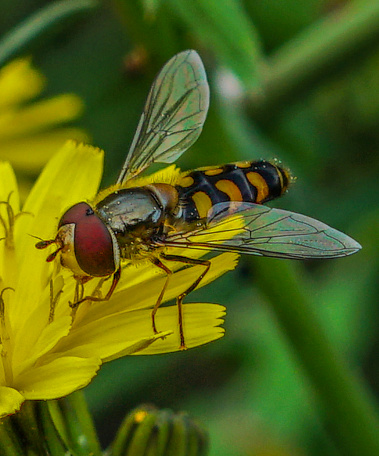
{"x":40,"y":24}
{"x":227,"y":30}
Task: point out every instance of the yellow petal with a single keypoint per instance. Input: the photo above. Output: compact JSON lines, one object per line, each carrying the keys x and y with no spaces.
{"x":39,"y":116}
{"x":19,"y":82}
{"x":38,"y":339}
{"x":106,"y":336}
{"x":111,"y":338}
{"x":115,"y":334}
{"x":8,"y":185}
{"x":201,"y":324}
{"x":8,"y":193}
{"x":72,"y":175}
{"x":60,"y":377}
{"x":141,"y":296}
{"x":138,"y":346}
{"x":2,"y":371}
{"x":30,"y":153}
{"x":10,"y":401}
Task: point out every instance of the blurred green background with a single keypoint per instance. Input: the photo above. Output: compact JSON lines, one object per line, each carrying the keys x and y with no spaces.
{"x":297,"y":81}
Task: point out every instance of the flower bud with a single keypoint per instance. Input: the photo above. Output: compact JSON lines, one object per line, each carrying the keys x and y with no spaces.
{"x":152,"y":432}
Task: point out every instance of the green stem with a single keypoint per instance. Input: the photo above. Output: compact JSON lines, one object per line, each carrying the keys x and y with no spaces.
{"x":352,"y":420}
{"x":316,"y":53}
{"x":47,"y":20}
{"x":79,"y":426}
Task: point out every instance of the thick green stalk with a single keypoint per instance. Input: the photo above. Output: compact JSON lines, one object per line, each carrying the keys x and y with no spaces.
{"x":351,"y":418}
{"x":321,"y":49}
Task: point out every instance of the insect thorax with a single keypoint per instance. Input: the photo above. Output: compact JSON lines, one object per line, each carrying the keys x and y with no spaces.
{"x":137,"y":218}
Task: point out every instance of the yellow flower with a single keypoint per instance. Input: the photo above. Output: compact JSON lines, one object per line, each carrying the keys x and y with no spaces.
{"x":30,"y":130}
{"x":49,"y":351}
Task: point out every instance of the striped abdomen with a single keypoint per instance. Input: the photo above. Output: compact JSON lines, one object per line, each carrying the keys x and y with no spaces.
{"x":254,"y":182}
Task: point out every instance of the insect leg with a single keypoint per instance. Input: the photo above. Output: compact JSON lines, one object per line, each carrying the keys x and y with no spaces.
{"x":168,"y":271}
{"x":179,"y":299}
{"x":115,"y":280}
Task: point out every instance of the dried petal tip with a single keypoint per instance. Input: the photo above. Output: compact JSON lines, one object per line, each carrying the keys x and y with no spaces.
{"x":147,"y":430}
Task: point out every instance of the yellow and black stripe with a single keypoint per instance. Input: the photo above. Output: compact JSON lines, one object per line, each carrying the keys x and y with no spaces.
{"x":254,"y":182}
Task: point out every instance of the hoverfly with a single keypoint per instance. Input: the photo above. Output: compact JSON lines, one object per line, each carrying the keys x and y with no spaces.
{"x":142,"y":222}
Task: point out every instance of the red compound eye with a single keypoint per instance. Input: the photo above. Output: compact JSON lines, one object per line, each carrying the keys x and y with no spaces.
{"x":93,"y":242}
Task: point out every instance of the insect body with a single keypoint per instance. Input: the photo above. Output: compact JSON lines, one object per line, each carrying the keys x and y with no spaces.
{"x":253,"y":182}
{"x":143,"y":222}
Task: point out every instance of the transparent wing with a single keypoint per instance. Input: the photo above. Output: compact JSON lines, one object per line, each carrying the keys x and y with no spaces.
{"x":268,"y":232}
{"x":173,"y":116}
